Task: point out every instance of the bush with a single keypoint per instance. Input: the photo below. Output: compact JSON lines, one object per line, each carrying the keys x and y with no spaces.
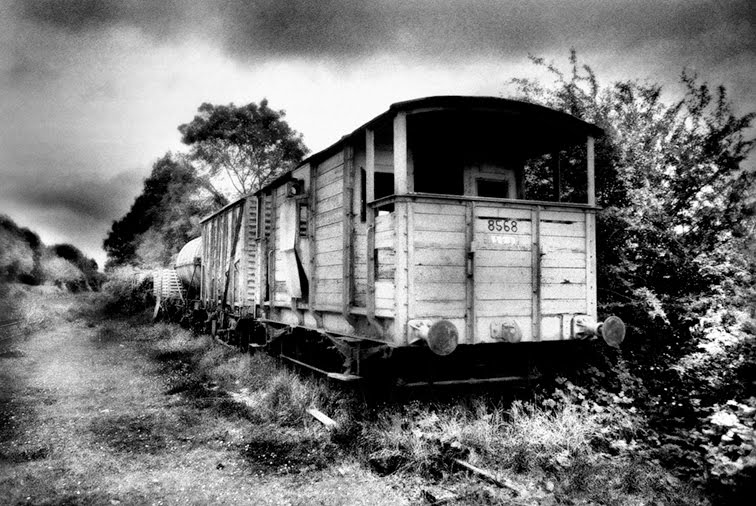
{"x":127,"y":292}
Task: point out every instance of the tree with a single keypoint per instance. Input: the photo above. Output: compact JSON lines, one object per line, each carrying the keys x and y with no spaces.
{"x":24,"y":258}
{"x":676,"y":258}
{"x":170,"y":206}
{"x":670,"y":178}
{"x":239,"y":149}
{"x":92,"y":279}
{"x":20,"y":253}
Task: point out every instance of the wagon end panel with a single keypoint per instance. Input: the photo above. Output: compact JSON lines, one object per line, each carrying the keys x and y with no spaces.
{"x":503,"y":255}
{"x":533,"y":271}
{"x":223,"y":253}
{"x":438,"y":264}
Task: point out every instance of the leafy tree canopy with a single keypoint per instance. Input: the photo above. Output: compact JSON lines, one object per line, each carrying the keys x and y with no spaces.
{"x":240,"y":148}
{"x":678,"y":201}
{"x":163,"y":217}
{"x":677,"y":260}
{"x":25,"y":259}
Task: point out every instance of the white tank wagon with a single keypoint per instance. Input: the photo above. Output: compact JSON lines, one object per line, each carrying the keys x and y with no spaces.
{"x":446,"y":230}
{"x":188,"y":264}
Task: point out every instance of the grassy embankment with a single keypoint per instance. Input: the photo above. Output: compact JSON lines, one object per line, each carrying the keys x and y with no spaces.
{"x":559,"y":448}
{"x":566,"y":446}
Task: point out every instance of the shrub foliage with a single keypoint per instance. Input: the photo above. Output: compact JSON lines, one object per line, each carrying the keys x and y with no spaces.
{"x":676,"y":260}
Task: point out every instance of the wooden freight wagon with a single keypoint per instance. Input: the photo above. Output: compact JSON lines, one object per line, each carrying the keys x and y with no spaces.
{"x":443,"y":223}
{"x":229,"y":257}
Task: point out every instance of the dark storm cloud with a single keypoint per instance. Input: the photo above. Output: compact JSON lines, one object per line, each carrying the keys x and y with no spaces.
{"x":160,"y":19}
{"x":334,"y":29}
{"x":88,"y":196}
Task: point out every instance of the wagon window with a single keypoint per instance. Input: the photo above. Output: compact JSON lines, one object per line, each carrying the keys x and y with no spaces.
{"x":557,"y":177}
{"x":304,"y":216}
{"x":384,"y":186}
{"x":493,"y":188}
{"x":363,"y":195}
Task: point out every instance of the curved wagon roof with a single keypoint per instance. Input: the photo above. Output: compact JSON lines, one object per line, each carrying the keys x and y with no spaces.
{"x":525,"y":114}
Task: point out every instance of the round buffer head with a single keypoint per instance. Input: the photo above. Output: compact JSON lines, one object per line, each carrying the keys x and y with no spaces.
{"x":613,"y":331}
{"x":442,"y":337}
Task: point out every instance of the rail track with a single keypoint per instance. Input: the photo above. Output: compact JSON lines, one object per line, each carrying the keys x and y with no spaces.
{"x":8,"y":324}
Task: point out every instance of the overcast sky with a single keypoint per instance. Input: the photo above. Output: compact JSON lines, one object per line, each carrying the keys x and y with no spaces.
{"x":91,"y":91}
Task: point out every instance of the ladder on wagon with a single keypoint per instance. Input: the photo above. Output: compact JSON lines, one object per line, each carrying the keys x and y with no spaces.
{"x":166,"y":287}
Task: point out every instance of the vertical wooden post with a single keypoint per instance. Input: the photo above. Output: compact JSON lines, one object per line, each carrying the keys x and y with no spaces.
{"x":400,"y":154}
{"x":313,"y":200}
{"x":348,"y":233}
{"x":401,"y":274}
{"x":401,"y":224}
{"x":203,"y":281}
{"x":557,"y":170}
{"x":272,"y":245}
{"x":369,"y":166}
{"x":591,"y":172}
{"x":535,"y":220}
{"x":470,"y":268}
{"x":590,"y":265}
{"x":370,"y":219}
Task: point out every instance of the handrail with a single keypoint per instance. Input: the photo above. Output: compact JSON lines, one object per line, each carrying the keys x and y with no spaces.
{"x":383,"y":201}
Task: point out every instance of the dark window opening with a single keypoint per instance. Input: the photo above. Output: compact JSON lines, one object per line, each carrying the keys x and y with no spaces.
{"x":363,"y":195}
{"x":384,"y":186}
{"x":493,"y":188}
{"x":557,"y":177}
{"x":304,"y":217}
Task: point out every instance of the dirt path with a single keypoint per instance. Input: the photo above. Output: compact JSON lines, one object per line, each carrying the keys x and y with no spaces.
{"x":85,"y":419}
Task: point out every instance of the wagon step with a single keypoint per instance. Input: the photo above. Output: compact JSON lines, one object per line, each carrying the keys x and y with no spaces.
{"x":344,"y":377}
{"x":333,"y":375}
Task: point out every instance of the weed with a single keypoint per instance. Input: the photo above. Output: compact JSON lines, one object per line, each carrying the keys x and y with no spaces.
{"x":131,"y":433}
{"x":538,"y":438}
{"x":287,"y":398}
{"x":127,"y":292}
{"x":270,"y":449}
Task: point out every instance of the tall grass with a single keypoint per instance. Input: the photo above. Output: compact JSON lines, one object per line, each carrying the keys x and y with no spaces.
{"x":271,"y":393}
{"x":540,"y":438}
{"x":127,"y":292}
{"x":535,"y":445}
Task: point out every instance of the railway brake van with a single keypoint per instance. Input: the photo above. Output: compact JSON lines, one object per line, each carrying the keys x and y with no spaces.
{"x":441,"y":238}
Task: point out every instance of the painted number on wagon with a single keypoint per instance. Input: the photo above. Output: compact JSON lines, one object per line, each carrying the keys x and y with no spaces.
{"x":502,"y":225}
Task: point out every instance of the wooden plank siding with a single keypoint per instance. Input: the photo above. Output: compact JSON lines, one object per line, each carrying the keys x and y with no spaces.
{"x":438,"y":261}
{"x":328,"y":242}
{"x":563,"y":287}
{"x":503,"y":240}
{"x":503,"y":266}
{"x":218,"y":233}
{"x":385,"y":261}
{"x":281,"y":294}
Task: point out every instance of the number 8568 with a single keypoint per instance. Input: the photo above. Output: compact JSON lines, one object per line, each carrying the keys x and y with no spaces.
{"x":502,"y":225}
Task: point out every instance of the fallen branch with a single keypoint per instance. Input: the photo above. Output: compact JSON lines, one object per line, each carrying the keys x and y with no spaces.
{"x":323,"y":418}
{"x":501,"y":482}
